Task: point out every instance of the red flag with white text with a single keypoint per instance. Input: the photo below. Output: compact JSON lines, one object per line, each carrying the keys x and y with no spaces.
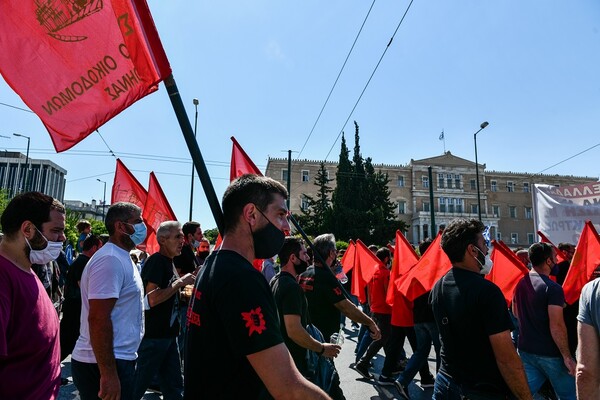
{"x":156,"y":211}
{"x":585,"y":260}
{"x":507,"y":270}
{"x":127,"y":188}
{"x":77,"y":64}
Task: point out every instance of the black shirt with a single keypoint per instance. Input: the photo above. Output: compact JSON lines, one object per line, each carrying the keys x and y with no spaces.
{"x":468,"y":309}
{"x":322,"y":291}
{"x":422,"y":311}
{"x":72,"y":291}
{"x":290,"y":300}
{"x":232,"y":314}
{"x":160,"y":320}
{"x":186,"y":261}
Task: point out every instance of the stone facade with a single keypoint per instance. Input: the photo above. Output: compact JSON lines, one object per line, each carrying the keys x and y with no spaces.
{"x":506,"y":201}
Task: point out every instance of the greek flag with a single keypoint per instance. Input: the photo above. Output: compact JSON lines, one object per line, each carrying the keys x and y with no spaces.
{"x":442,"y":135}
{"x":486,"y":236}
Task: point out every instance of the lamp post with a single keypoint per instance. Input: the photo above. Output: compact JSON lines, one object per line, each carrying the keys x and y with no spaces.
{"x":481,"y":127}
{"x":196,"y":102}
{"x":103,"y":201}
{"x":26,"y":162}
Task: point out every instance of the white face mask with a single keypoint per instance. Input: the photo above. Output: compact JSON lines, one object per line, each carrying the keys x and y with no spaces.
{"x":195,"y":244}
{"x":486,"y":267}
{"x":45,"y":255}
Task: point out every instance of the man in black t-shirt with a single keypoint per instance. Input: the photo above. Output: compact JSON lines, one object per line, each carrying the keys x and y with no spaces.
{"x":234,"y":347}
{"x":477,"y":356}
{"x":292,"y":306}
{"x":158,"y":351}
{"x":185,"y":262}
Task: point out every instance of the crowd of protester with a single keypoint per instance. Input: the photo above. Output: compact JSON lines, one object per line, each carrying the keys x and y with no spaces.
{"x":185,"y":320}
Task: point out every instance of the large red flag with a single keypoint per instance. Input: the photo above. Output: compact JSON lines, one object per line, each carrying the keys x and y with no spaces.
{"x":560,"y":255}
{"x":77,"y":64}
{"x":585,"y":260}
{"x":349,"y":257}
{"x":240,"y":162}
{"x":364,"y":267}
{"x":431,"y":267}
{"x":404,"y":259}
{"x":507,"y":270}
{"x":127,"y":188}
{"x":156,"y":211}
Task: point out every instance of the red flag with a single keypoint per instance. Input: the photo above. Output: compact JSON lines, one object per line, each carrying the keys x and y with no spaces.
{"x":240,"y":162}
{"x":585,"y":260}
{"x":77,"y":64}
{"x":156,"y":210}
{"x":404,"y":259}
{"x":364,"y":268}
{"x":560,"y":255}
{"x":431,"y":267}
{"x":402,"y":310}
{"x":348,"y":258}
{"x":127,"y":188}
{"x":507,"y":270}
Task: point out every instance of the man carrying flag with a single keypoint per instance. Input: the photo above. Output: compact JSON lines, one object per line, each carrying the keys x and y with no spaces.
{"x":478,"y":358}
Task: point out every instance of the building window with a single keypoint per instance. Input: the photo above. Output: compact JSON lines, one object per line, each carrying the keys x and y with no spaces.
{"x":494,"y":186}
{"x":530,"y":238}
{"x":425,"y":231}
{"x":440,"y":180}
{"x":442,"y":203}
{"x":496,"y":210}
{"x":510,"y":186}
{"x":425,"y":181}
{"x":528,"y":213}
{"x":304,"y":203}
{"x":400,"y":181}
{"x":459,"y":205}
{"x":284,"y":175}
{"x":305,"y":176}
{"x":525,"y":187}
{"x":474,"y":209}
{"x":514,"y":238}
{"x":401,"y":207}
{"x":498,"y":235}
{"x":327,"y":174}
{"x":512,"y":211}
{"x":451,"y":205}
{"x":449,"y":181}
{"x":473,"y":184}
{"x":426,"y":206}
{"x":456,"y":181}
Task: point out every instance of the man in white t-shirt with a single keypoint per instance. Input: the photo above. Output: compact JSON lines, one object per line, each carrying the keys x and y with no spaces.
{"x":112,"y":322}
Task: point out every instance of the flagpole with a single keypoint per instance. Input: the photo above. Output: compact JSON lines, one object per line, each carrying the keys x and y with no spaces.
{"x":188,"y":135}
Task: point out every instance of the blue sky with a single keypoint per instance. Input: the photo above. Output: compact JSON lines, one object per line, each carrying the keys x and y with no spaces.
{"x":263,"y":69}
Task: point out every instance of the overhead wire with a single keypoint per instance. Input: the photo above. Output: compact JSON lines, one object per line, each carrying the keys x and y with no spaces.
{"x":336,"y":80}
{"x":371,"y":77}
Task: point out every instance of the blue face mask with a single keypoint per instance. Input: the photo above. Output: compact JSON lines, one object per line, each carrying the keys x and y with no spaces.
{"x":139,"y":233}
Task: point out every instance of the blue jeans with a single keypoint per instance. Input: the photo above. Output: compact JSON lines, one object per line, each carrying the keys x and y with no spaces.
{"x":86,"y":377}
{"x":540,"y":368}
{"x":447,"y":389}
{"x":426,"y":333}
{"x":159,"y":357}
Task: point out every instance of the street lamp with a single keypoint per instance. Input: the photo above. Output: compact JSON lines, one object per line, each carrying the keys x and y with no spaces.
{"x":196,"y":102}
{"x":103,"y":201}
{"x":481,"y":127}
{"x":26,"y":162}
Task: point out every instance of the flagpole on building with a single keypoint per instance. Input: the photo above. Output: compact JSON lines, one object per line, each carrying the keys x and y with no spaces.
{"x":188,"y":135}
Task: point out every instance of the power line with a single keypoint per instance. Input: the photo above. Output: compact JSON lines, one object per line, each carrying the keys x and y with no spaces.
{"x":336,"y":79}
{"x":107,"y":146}
{"x":15,"y":107}
{"x":567,"y":159}
{"x":371,"y":77}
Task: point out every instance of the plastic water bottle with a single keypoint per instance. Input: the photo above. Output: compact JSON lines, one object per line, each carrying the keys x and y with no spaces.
{"x":337,"y":338}
{"x":339,"y":273}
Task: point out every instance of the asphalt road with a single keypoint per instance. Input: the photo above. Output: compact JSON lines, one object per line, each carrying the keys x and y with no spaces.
{"x":354,"y":386}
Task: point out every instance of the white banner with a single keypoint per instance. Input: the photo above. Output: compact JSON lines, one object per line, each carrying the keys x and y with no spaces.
{"x":560,"y":212}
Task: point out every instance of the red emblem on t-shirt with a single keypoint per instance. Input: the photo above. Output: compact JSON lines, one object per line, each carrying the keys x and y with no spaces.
{"x":337,"y":291}
{"x":255,"y":322}
{"x":192,"y":317}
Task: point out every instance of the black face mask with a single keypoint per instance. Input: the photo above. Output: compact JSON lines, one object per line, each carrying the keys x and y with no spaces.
{"x":268,"y":240}
{"x":300,"y":268}
{"x":203,"y":254}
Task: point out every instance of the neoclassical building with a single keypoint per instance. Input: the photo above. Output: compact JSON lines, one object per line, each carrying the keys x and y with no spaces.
{"x":506,"y":202}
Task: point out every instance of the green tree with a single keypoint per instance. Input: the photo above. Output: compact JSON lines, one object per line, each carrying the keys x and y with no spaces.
{"x":4,"y":199}
{"x":316,"y":217}
{"x":211,"y":235}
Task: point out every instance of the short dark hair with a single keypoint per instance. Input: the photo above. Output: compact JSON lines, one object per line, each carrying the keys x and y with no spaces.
{"x":291,"y":245}
{"x":383,"y":252}
{"x":565,"y":246}
{"x":90,"y":242}
{"x":120,"y":211}
{"x":246,"y":189}
{"x":30,"y":206}
{"x":424,"y":245}
{"x":82,"y":224}
{"x":458,"y":235}
{"x":190,"y":227}
{"x":539,"y":252}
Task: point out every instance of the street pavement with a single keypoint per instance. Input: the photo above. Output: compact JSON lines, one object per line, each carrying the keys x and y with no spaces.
{"x":355,"y":387}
